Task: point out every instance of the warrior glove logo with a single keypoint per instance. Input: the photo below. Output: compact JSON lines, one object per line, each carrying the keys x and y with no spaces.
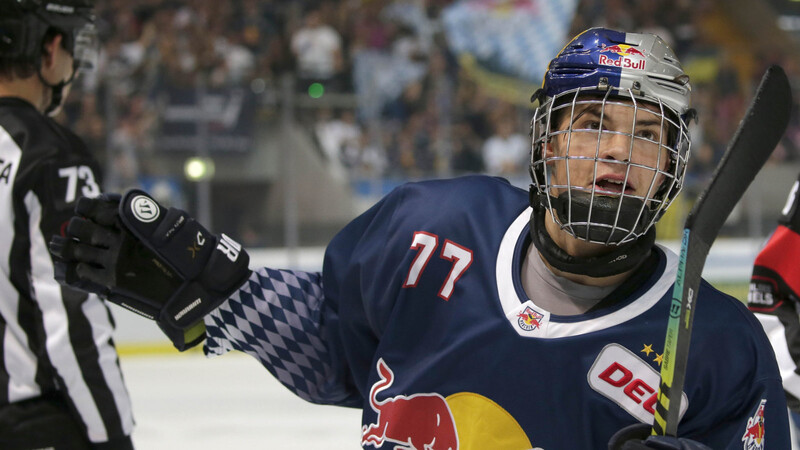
{"x":229,"y":247}
{"x":199,"y":242}
{"x":144,"y":209}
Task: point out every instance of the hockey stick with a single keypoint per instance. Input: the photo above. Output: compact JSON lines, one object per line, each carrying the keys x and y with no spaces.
{"x":756,"y":137}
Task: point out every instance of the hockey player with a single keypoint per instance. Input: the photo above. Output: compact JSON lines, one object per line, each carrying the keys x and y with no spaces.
{"x":61,"y":382}
{"x":775,"y":295}
{"x":467,"y":313}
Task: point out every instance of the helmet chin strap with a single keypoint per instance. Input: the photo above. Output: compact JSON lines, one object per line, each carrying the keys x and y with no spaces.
{"x":621,"y":259}
{"x":56,"y":98}
{"x":56,"y":91}
{"x":600,"y":219}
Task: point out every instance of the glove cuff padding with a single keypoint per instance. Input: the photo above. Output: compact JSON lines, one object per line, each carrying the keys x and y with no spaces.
{"x":638,"y":437}
{"x":776,"y":272}
{"x":212,"y":268}
{"x":638,"y":431}
{"x":184,"y":339}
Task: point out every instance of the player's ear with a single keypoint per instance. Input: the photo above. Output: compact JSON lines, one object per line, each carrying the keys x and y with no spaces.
{"x":550,"y":147}
{"x":49,"y":48}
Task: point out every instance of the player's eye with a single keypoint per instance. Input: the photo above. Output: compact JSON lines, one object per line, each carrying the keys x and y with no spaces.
{"x":588,"y":124}
{"x":648,"y":134}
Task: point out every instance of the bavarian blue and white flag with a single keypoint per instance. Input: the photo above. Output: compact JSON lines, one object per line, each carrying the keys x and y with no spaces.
{"x":515,"y":38}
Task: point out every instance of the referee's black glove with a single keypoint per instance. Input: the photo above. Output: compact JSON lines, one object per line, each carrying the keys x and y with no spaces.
{"x":159,"y":263}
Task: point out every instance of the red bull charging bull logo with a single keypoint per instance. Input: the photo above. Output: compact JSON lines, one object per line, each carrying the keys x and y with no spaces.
{"x":621,"y":55}
{"x":753,"y":438}
{"x":419,"y":421}
{"x":529,"y":319}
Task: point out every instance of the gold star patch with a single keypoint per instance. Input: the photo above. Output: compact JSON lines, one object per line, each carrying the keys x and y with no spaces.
{"x":658,"y":359}
{"x":647,"y":349}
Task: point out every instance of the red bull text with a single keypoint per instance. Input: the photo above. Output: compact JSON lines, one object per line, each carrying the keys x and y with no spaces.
{"x":623,"y":56}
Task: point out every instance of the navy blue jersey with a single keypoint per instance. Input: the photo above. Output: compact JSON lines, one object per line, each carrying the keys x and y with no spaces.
{"x":420,"y":319}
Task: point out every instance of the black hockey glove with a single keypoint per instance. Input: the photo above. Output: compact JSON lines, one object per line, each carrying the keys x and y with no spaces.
{"x":776,"y":273}
{"x":637,"y":437}
{"x":159,"y":263}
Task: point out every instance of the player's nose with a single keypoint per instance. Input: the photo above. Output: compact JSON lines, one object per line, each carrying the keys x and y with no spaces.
{"x":616,"y":146}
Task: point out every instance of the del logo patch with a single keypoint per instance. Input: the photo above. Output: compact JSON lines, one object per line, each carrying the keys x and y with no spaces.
{"x":753,"y":438}
{"x":628,"y":381}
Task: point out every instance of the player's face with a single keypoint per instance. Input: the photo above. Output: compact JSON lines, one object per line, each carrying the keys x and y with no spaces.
{"x":612,"y":149}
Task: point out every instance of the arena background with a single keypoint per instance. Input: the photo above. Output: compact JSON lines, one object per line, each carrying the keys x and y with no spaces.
{"x":215,"y":107}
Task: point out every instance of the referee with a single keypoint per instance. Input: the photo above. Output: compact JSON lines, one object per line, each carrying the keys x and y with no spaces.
{"x":60,"y":382}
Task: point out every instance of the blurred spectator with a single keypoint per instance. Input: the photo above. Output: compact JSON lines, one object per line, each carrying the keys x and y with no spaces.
{"x":238,"y":60}
{"x":400,"y":109}
{"x":339,"y":137}
{"x":702,"y":164}
{"x":419,"y":113}
{"x":506,"y":152}
{"x":369,"y":31}
{"x":368,"y":160}
{"x":407,"y":45}
{"x":472,"y":105}
{"x":90,"y":126}
{"x":317,"y":48}
{"x":467,"y":157}
{"x":647,"y":18}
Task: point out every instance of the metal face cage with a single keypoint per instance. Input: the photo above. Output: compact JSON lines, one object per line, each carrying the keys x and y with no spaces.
{"x":593,"y":192}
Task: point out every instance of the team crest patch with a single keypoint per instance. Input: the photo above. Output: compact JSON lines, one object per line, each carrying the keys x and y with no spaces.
{"x":529,"y":319}
{"x":753,"y":438}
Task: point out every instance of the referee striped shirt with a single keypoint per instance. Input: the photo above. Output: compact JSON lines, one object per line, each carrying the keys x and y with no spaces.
{"x":53,"y":340}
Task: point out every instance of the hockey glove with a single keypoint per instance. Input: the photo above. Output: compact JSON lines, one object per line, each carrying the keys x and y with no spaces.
{"x":158,"y":263}
{"x":637,"y":437}
{"x":776,"y":273}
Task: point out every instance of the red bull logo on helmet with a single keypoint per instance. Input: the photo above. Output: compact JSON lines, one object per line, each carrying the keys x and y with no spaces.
{"x":753,"y":438}
{"x":622,"y":55}
{"x":418,"y":421}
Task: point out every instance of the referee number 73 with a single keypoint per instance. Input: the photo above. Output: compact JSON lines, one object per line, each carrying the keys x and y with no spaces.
{"x":79,"y":175}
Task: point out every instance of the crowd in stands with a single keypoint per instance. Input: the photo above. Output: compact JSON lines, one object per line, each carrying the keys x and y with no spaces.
{"x":415,"y":113}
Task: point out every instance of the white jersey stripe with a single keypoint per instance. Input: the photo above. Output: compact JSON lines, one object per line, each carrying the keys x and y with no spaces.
{"x":59,"y":348}
{"x":102,"y":331}
{"x":20,"y":362}
{"x":777,"y":336}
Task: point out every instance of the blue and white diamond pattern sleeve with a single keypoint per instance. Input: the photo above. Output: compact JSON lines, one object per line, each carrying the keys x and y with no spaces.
{"x":275,"y":317}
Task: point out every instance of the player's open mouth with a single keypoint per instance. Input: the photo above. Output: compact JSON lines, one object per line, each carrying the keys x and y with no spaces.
{"x":613,"y":185}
